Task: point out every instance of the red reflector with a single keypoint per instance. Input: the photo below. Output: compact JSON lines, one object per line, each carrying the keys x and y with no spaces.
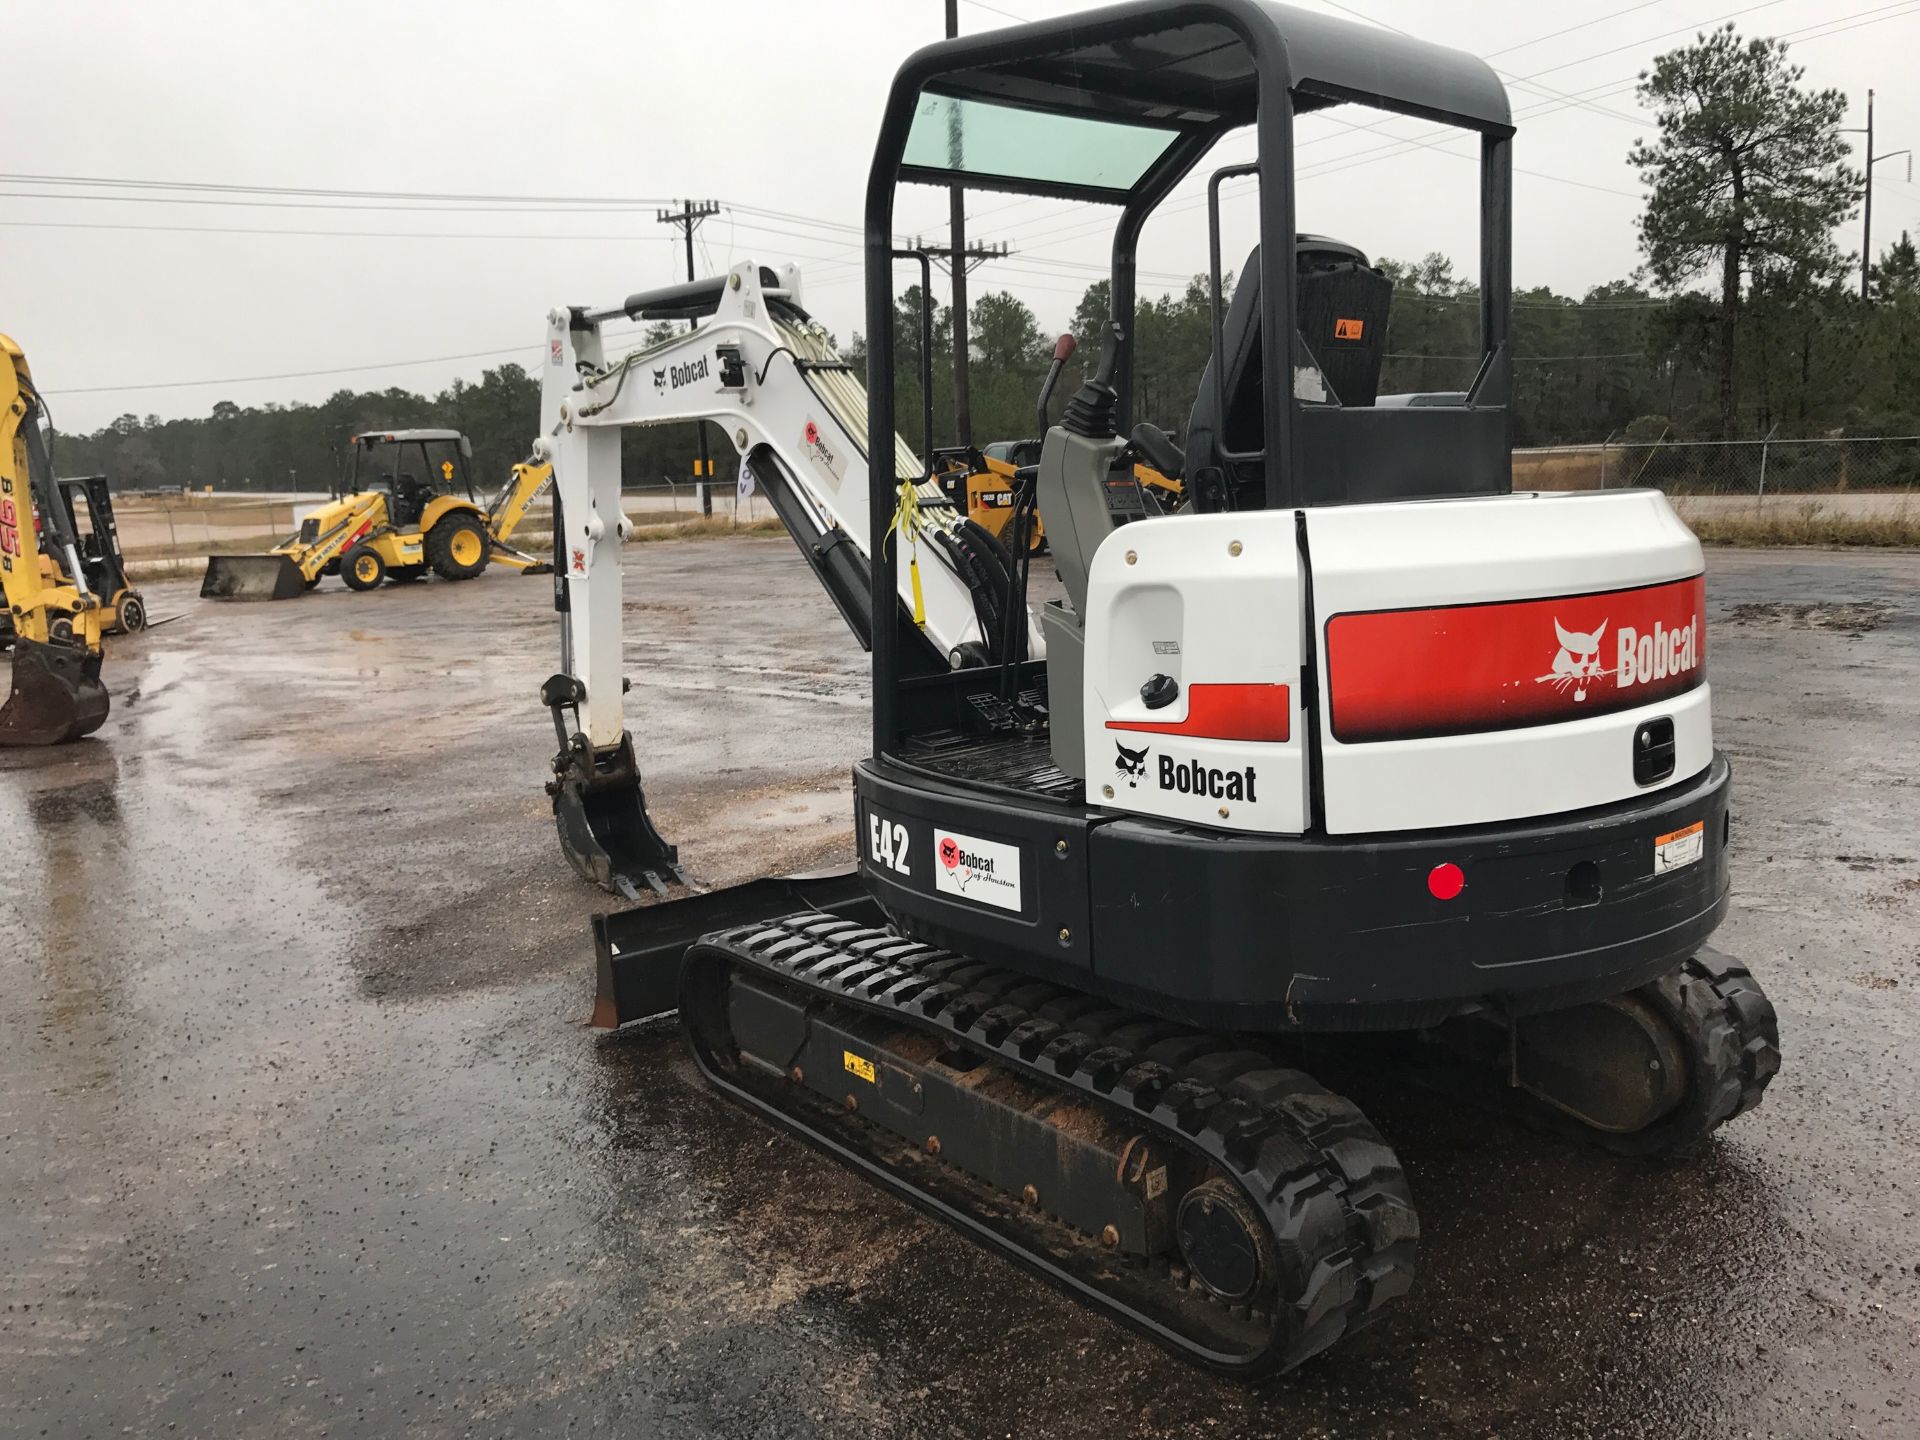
{"x":1446,"y":881}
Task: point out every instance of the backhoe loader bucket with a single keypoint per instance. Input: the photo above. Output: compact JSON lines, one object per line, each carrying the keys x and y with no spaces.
{"x":56,"y":695}
{"x":252,"y":577}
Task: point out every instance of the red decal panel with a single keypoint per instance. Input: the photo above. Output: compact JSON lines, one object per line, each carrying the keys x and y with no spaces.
{"x":1462,"y":669}
{"x":1225,"y":712}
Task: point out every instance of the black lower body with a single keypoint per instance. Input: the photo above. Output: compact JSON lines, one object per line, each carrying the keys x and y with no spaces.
{"x":1280,"y":933}
{"x":1188,"y":1183}
{"x":1227,"y":1206}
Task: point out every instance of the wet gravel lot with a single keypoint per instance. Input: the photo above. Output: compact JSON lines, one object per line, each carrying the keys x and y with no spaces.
{"x":301,"y":1132}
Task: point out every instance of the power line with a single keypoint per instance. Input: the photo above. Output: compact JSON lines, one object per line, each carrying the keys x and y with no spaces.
{"x":329,"y":234}
{"x":297,"y":374}
{"x":639,"y":202}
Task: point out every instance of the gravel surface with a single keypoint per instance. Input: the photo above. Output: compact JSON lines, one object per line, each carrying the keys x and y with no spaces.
{"x":301,"y":1132}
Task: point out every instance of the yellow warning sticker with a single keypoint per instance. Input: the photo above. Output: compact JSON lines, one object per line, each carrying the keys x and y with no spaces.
{"x":858,"y":1066}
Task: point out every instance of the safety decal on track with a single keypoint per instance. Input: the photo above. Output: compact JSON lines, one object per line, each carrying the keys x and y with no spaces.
{"x":1679,"y":848}
{"x":976,"y":869}
{"x":858,"y":1065}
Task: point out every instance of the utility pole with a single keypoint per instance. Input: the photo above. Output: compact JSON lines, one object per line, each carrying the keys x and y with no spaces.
{"x":957,"y":248}
{"x":688,"y":218}
{"x":1866,"y":211}
{"x":1866,"y":208}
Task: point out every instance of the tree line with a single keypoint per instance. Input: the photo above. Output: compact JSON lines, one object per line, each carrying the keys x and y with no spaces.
{"x":1742,"y":321}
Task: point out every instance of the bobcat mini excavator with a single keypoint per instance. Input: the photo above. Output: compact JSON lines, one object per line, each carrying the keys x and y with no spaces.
{"x":1359,"y":739}
{"x":410,"y":509}
{"x":55,"y":693}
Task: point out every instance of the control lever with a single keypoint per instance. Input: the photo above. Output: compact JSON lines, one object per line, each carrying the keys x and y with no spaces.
{"x":1063,"y":349}
{"x":1158,"y":448}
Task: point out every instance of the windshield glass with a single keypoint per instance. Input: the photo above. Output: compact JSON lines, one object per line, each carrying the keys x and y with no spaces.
{"x":980,"y":139}
{"x":436,"y":463}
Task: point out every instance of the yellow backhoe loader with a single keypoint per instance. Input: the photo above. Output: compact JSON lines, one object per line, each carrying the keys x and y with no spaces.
{"x":56,"y":693}
{"x":410,"y":509}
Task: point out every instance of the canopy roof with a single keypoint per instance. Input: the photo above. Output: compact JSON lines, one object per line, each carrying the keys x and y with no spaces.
{"x":1089,"y":104}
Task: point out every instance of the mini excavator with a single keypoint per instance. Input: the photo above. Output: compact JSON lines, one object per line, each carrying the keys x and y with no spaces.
{"x":56,"y":619}
{"x":1357,"y":739}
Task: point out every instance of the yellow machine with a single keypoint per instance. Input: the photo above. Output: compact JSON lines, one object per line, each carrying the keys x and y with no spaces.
{"x":985,"y":482}
{"x":984,"y":485}
{"x":411,"y":509}
{"x":56,"y":692}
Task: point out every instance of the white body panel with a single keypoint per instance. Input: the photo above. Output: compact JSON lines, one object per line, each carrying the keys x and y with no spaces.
{"x":1472,"y":552}
{"x":1171,"y":596}
{"x":815,"y":430}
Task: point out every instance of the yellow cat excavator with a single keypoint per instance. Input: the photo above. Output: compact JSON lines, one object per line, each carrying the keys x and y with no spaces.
{"x":410,"y":509}
{"x":56,"y":692}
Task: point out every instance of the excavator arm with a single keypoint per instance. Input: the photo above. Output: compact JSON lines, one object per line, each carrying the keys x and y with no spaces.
{"x":767,"y":375}
{"x":55,"y":692}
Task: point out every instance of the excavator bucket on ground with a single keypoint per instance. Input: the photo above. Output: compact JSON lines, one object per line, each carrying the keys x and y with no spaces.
{"x":57,"y":695}
{"x":252,"y":577}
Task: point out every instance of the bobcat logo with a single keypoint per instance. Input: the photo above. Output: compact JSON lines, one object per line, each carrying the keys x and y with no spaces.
{"x":660,"y":379}
{"x":1132,"y":764}
{"x":1576,"y":662}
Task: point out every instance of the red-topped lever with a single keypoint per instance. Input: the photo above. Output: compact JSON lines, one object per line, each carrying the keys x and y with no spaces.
{"x":1063,"y":349}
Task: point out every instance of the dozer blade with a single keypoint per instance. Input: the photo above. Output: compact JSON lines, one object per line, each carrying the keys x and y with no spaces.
{"x":56,"y":695}
{"x":639,"y":952}
{"x":252,"y":577}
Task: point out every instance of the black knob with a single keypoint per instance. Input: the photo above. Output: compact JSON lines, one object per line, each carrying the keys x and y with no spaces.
{"x":1159,"y":692}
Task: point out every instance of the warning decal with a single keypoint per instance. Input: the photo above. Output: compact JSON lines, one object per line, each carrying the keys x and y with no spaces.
{"x":858,"y":1065}
{"x":1680,"y":848}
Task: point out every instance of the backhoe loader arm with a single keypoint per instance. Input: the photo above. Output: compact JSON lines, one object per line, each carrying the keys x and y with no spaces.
{"x":530,"y":478}
{"x":27,"y":493}
{"x":55,"y":693}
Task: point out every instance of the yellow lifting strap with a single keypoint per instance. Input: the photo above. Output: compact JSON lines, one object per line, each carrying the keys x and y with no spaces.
{"x":906,"y":521}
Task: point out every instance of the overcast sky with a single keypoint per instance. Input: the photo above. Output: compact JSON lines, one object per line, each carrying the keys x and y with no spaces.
{"x":769,"y":104}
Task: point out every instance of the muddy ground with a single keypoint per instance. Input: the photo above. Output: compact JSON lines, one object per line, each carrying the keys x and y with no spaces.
{"x":301,"y":1133}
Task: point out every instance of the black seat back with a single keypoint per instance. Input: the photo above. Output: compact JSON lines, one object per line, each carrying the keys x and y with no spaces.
{"x":1213,"y":483}
{"x":1342,"y":305}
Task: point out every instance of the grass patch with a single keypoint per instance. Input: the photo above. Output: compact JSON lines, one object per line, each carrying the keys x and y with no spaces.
{"x":1883,"y":531}
{"x":716,"y":527}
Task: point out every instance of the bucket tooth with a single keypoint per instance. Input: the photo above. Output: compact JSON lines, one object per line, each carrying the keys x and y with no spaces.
{"x":252,"y":577}
{"x":56,"y":695}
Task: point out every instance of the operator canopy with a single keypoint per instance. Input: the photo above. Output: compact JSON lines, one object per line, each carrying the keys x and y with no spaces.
{"x":1090,"y":105}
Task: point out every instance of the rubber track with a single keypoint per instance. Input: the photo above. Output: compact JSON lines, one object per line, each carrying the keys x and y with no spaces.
{"x":1733,"y":1049}
{"x":1727,"y":1029}
{"x":1330,"y":1188}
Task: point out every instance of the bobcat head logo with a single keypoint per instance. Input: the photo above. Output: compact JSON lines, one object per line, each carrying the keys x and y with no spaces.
{"x":660,"y":379}
{"x":1131,"y":764}
{"x":1577,"y":661}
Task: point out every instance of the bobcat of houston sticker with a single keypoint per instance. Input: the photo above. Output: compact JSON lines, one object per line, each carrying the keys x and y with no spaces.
{"x":1678,"y":848}
{"x":976,"y":869}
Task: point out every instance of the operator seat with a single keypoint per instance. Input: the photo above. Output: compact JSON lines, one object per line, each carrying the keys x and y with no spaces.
{"x":410,"y":500}
{"x":1214,"y":483}
{"x":1341,"y":304}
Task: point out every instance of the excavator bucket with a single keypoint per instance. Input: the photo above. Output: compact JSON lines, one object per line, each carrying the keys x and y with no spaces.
{"x":252,"y":577}
{"x":56,"y":696}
